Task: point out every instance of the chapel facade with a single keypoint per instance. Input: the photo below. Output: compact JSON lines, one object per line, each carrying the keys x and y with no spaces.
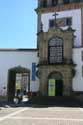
{"x":59,"y":40}
{"x":55,"y":68}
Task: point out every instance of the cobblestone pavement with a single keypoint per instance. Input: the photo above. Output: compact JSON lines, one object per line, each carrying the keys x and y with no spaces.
{"x":41,"y":116}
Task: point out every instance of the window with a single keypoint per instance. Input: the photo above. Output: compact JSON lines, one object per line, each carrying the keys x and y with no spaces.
{"x":55,"y":50}
{"x":66,"y":1}
{"x":51,"y":23}
{"x":44,"y":3}
{"x":54,"y":2}
{"x":68,"y":21}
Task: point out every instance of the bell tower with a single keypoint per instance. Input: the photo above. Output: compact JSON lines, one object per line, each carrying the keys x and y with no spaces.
{"x":54,"y":50}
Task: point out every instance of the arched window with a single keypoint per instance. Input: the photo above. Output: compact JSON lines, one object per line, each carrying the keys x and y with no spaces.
{"x":66,"y":1}
{"x":55,"y":50}
{"x":44,"y":3}
{"x":54,"y":2}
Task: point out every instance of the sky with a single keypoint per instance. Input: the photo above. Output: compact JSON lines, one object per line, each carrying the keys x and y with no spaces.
{"x":18,"y":24}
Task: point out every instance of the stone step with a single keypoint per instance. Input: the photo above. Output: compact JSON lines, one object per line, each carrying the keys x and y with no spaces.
{"x":59,"y":101}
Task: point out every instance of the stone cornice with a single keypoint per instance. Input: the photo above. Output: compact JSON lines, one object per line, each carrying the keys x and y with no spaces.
{"x":59,"y":8}
{"x":56,"y":64}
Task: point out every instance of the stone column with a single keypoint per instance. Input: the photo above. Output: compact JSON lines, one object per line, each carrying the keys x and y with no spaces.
{"x":43,"y":80}
{"x":67,"y":84}
{"x":66,"y":89}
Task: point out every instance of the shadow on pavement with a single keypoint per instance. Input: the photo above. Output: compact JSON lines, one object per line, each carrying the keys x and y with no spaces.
{"x":44,"y":102}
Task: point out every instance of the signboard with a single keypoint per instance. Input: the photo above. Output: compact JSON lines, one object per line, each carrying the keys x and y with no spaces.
{"x":18,"y":85}
{"x":18,"y":81}
{"x":33,"y":71}
{"x":51,"y":87}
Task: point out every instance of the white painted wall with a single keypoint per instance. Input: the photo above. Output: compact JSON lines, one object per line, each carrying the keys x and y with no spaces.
{"x":10,"y":59}
{"x":78,"y":79}
{"x":76,"y":22}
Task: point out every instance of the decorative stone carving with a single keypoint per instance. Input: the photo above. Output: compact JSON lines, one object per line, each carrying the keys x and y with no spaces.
{"x":46,"y":68}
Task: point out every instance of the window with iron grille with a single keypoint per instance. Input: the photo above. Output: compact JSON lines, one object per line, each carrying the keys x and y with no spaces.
{"x":55,"y":50}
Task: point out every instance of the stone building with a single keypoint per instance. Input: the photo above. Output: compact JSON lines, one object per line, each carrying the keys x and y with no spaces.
{"x":60,"y":47}
{"x":58,"y":57}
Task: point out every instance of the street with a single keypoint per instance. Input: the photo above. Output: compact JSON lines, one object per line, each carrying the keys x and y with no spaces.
{"x":41,"y":116}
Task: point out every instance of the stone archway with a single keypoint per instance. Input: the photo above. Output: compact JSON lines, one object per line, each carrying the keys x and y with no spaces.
{"x":55,"y":84}
{"x":12,"y":74}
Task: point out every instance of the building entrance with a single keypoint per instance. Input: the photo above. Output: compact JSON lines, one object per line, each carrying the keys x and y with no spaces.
{"x":18,"y":82}
{"x":59,"y":87}
{"x":55,"y":84}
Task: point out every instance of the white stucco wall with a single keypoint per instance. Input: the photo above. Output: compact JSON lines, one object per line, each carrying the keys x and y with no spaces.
{"x":11,"y":59}
{"x":76,"y":22}
{"x":78,"y":79}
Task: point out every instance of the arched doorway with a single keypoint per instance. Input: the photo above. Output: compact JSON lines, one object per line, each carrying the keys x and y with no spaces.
{"x":18,"y":79}
{"x":55,"y":84}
